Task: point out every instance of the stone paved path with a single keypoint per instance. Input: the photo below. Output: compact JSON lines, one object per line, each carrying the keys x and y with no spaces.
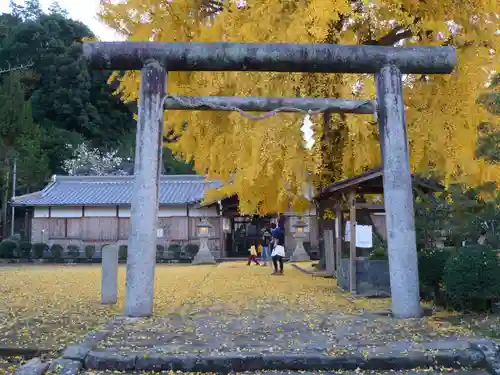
{"x":232,"y":316}
{"x":7,"y":364}
{"x":223,"y":316}
{"x":235,"y":308}
{"x":273,"y":331}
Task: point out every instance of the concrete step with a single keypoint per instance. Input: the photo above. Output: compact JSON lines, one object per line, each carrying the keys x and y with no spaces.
{"x":465,"y":358}
{"x":377,"y":359}
{"x":402,"y":372}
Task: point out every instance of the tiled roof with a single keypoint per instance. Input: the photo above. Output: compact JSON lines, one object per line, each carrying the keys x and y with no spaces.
{"x":114,"y":190}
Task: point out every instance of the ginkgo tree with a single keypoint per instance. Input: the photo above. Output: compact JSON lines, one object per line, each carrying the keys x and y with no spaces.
{"x":265,"y":162}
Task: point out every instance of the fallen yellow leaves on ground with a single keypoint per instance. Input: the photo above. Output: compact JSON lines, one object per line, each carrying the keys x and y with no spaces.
{"x":53,"y":306}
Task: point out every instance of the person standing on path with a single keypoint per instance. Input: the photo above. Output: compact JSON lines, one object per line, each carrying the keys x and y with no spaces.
{"x":267,"y":238}
{"x":277,"y":255}
{"x":253,"y":255}
{"x":278,"y":233}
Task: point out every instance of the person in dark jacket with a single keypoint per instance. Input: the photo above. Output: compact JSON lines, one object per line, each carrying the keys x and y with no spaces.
{"x":278,"y":233}
{"x":267,"y":239}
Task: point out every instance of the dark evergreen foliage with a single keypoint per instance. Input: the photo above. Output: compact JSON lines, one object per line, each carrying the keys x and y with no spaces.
{"x":58,"y":100}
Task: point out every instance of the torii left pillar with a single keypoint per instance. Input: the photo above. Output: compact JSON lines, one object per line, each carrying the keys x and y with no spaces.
{"x":141,"y":257}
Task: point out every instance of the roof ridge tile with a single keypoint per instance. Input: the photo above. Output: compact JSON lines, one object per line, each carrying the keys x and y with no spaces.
{"x":117,"y":190}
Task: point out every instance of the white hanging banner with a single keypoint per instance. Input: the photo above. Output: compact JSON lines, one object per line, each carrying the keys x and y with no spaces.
{"x":347,"y":236}
{"x":226,"y":225}
{"x":307,"y":132}
{"x":364,"y":235}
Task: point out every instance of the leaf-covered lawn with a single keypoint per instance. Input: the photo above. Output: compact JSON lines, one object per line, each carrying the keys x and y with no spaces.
{"x":52,"y":306}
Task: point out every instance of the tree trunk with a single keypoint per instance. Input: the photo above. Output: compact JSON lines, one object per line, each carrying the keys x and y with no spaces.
{"x":332,"y":149}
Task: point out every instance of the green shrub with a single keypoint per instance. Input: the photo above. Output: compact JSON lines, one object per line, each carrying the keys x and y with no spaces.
{"x":25,"y":250}
{"x":122,"y":252}
{"x":431,"y":264}
{"x":73,"y":251}
{"x":159,"y":252}
{"x":56,"y":251}
{"x":472,"y":278}
{"x":89,"y":251}
{"x":378,"y":254}
{"x":191,"y":249}
{"x":39,"y":249}
{"x":379,"y":250}
{"x":174,"y":251}
{"x":15,"y":238}
{"x":7,"y":249}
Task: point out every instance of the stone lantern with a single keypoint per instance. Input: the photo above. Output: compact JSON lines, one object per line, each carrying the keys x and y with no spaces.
{"x":300,"y":254}
{"x":204,"y":256}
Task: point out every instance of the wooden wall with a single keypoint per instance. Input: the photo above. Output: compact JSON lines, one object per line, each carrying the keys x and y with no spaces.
{"x":95,"y":224}
{"x":114,"y":229}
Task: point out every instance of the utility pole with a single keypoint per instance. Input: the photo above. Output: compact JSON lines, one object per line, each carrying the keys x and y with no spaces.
{"x":14,"y":175}
{"x":5,"y":205}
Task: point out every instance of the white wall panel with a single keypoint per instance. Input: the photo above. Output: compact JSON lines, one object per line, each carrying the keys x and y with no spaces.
{"x":67,"y":212}
{"x":100,"y":211}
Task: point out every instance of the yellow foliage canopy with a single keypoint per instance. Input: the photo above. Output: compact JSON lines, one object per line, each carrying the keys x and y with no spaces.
{"x":265,"y":160}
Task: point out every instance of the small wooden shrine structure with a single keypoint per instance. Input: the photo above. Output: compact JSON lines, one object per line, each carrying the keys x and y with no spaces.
{"x":349,"y":197}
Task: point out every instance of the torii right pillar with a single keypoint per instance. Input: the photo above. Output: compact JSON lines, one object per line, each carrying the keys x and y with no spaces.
{"x":398,"y":194}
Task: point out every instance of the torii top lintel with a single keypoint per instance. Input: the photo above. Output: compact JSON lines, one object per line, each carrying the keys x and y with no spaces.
{"x":277,"y":57}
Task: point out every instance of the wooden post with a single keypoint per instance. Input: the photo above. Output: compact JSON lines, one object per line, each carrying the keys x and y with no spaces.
{"x":329,"y":252}
{"x":352,"y":244}
{"x":141,"y":260}
{"x":338,"y":236}
{"x":398,"y":194}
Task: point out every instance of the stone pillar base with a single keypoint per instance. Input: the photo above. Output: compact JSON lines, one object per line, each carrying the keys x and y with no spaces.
{"x":204,"y":257}
{"x":300,"y":254}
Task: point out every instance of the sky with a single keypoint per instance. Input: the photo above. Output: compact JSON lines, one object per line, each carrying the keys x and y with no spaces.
{"x":81,"y":10}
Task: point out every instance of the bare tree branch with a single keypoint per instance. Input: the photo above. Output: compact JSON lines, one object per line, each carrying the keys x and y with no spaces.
{"x":19,"y":67}
{"x":392,"y":37}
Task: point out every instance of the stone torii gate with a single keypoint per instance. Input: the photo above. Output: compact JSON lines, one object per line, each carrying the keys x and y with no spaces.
{"x":386,"y":63}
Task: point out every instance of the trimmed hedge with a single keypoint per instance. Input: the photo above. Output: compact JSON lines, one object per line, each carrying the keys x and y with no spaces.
{"x":56,"y":251}
{"x":8,"y":249}
{"x":25,"y":250}
{"x":122,"y":252}
{"x":431,"y":264}
{"x":89,"y":251}
{"x":472,"y":278}
{"x":159,"y":252}
{"x":73,"y":251}
{"x":38,"y":249}
{"x":191,"y":249}
{"x":174,"y":251}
